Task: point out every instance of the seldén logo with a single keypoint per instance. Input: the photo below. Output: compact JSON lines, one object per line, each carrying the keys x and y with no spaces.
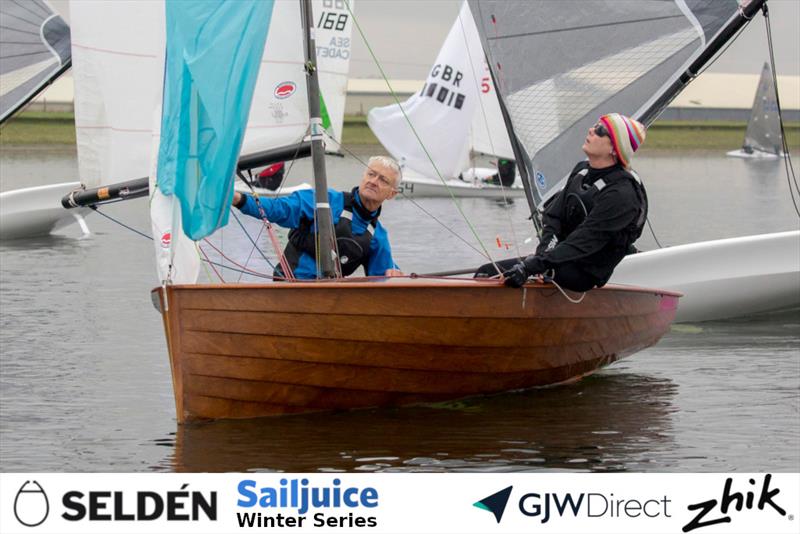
{"x":495,"y":503}
{"x":31,"y":506}
{"x":735,"y":498}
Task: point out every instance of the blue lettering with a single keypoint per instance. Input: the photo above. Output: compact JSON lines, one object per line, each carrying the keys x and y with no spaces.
{"x":269,"y":498}
{"x":369,"y":497}
{"x":244,"y":491}
{"x":347,"y":498}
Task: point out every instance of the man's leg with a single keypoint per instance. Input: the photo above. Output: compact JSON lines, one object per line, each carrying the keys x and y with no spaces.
{"x":571,"y":277}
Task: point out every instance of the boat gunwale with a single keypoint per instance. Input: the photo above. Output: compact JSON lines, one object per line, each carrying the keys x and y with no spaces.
{"x":417,"y":282}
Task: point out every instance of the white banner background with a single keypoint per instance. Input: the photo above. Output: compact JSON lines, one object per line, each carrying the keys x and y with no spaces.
{"x":410,"y":503}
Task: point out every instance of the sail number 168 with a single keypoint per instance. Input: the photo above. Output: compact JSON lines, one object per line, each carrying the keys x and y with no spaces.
{"x":332,"y":21}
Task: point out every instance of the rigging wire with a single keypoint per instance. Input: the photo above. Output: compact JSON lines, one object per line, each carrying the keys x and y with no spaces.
{"x":791,"y":178}
{"x":244,"y":269}
{"x":255,"y":194}
{"x":422,"y":145}
{"x":208,"y":260}
{"x":112,"y":219}
{"x":213,"y":263}
{"x":489,"y":132}
{"x":653,"y":232}
{"x":422,"y":209}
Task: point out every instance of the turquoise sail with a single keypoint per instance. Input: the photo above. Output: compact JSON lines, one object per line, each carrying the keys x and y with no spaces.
{"x":213,"y":53}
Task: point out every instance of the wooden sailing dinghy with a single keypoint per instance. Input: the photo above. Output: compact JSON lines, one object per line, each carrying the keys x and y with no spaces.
{"x":244,"y":350}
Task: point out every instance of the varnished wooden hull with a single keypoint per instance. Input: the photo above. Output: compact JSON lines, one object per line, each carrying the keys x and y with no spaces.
{"x":248,"y":350}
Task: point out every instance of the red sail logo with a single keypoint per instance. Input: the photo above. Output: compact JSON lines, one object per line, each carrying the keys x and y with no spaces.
{"x":285,"y":89}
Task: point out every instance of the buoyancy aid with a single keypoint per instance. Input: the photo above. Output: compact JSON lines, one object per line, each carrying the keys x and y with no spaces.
{"x":581,"y":197}
{"x":353,"y":249}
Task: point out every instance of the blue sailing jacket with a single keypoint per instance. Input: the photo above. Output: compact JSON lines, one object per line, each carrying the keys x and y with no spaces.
{"x":289,"y":211}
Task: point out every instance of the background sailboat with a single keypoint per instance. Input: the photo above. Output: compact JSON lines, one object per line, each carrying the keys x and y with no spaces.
{"x":436,"y":134}
{"x":34,"y":51}
{"x":763,"y":138}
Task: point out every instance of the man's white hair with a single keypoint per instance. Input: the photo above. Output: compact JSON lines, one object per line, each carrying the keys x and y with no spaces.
{"x":386,"y":161}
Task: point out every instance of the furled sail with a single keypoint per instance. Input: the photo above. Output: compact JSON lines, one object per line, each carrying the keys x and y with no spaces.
{"x":763,"y":130}
{"x":34,"y":51}
{"x":592,"y":57}
{"x":455,"y":111}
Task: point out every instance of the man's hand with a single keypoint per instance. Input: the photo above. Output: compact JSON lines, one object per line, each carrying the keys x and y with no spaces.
{"x":519,"y":273}
{"x":516,"y":276}
{"x":393,"y":272}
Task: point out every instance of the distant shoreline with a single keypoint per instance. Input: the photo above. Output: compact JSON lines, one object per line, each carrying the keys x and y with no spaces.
{"x":58,"y":128}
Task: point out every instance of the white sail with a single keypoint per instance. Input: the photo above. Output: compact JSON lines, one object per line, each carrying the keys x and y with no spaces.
{"x":444,"y":111}
{"x":279,"y":112}
{"x":488,"y":133}
{"x":116,"y":49}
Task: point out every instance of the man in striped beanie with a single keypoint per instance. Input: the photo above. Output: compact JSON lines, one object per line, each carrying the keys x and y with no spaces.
{"x":624,"y":134}
{"x":593,"y":222}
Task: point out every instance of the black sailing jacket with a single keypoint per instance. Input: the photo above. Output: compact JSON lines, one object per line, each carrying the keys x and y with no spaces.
{"x":594,"y":220}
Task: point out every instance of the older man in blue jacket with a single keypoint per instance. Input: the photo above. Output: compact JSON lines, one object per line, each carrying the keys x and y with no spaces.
{"x":361,"y":239}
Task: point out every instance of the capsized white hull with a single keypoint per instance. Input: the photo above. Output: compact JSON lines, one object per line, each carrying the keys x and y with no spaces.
{"x":754,"y":154}
{"x":37,"y":211}
{"x":722,"y":279}
{"x":417,"y":185}
{"x":282,"y":192}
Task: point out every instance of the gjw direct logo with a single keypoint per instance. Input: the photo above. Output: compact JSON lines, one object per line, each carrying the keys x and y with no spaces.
{"x":547,"y":505}
{"x":32,"y":505}
{"x":495,"y":503}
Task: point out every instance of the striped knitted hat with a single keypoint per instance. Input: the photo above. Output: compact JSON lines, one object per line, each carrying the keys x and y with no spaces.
{"x":626,"y":134}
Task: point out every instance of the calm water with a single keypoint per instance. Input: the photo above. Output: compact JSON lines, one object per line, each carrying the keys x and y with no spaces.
{"x":85,"y":383}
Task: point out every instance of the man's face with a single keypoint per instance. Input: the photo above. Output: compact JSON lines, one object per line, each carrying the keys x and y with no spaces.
{"x":596,"y":144}
{"x":379,"y":183}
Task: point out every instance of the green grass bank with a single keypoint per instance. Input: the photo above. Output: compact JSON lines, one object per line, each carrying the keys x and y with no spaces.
{"x":41,"y":128}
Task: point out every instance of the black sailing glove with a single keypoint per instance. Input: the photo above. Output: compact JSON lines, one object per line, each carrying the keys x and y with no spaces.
{"x":519,"y":273}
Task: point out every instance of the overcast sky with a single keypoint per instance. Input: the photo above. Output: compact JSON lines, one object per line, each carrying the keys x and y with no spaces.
{"x":407,"y":34}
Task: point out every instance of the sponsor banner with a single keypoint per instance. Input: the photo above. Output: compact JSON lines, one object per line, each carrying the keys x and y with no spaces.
{"x":408,"y":503}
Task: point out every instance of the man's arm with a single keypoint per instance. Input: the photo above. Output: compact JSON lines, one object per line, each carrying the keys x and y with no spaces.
{"x":614,"y":210}
{"x":284,"y":211}
{"x":380,"y":262}
{"x":551,"y":218}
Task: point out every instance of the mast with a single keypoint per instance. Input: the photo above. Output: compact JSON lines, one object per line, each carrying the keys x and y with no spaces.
{"x":522,"y":160}
{"x":745,"y":14}
{"x":326,"y":252}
